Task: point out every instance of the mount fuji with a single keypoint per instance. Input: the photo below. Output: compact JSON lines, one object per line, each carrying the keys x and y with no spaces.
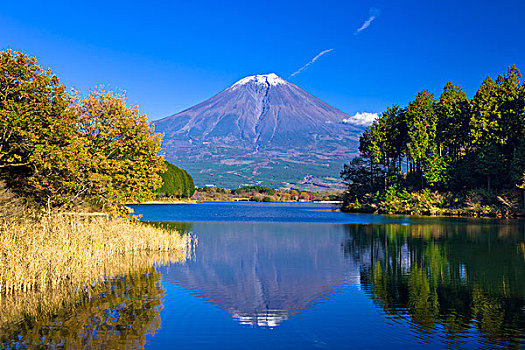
{"x":262,"y":130}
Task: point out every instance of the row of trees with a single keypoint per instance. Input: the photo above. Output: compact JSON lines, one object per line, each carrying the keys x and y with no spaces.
{"x":176,"y":182}
{"x":58,"y":149}
{"x":448,"y":143}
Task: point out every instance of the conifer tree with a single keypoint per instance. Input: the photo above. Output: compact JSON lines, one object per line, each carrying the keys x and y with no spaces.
{"x":422,"y":123}
{"x":453,"y":115}
{"x":511,"y":108}
{"x":485,"y":123}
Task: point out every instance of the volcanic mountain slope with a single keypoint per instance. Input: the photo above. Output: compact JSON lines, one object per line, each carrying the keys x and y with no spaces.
{"x":261,"y":130}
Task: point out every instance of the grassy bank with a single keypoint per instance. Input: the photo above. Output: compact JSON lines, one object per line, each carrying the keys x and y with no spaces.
{"x":59,"y":250}
{"x":474,"y":203}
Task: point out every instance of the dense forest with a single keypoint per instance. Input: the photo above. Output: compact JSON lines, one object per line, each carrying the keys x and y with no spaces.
{"x":176,"y":182}
{"x":448,"y":144}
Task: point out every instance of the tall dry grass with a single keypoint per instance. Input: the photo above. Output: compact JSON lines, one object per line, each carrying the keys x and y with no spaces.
{"x":72,"y":250}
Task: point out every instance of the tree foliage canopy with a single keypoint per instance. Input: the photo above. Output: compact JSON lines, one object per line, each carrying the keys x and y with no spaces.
{"x":122,"y":147}
{"x":176,"y":182}
{"x":57,"y":149}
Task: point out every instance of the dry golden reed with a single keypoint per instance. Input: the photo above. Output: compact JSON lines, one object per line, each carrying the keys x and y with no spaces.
{"x":59,"y":250}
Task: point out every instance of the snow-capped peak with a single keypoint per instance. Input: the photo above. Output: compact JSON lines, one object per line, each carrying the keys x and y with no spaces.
{"x":271,"y":79}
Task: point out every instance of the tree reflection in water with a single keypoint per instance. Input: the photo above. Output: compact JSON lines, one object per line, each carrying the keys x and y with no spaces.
{"x":117,"y":313}
{"x":455,"y":276}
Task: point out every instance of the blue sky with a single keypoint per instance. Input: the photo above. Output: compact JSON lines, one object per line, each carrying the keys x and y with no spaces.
{"x":170,"y":55}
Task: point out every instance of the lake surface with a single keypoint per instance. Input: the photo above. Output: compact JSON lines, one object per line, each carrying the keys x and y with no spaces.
{"x":302,"y":276}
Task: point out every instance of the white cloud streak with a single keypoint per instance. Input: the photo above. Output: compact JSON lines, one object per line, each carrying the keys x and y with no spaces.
{"x":365,"y":25}
{"x":309,"y":63}
{"x":373,"y":13}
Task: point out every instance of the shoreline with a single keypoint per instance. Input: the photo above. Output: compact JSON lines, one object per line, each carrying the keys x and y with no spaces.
{"x":242,"y":200}
{"x":478,"y":203}
{"x":444,"y":213}
{"x":168,"y":202}
{"x":434,"y":212}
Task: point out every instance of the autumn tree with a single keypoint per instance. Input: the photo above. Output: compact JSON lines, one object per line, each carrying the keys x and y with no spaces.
{"x":57,"y":150}
{"x":124,"y":164}
{"x":40,"y":151}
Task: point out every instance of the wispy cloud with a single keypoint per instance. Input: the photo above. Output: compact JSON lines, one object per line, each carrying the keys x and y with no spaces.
{"x":365,"y":25}
{"x":309,"y":63}
{"x":374,"y":13}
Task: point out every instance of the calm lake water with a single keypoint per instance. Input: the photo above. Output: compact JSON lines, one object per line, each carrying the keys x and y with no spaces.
{"x":301,"y":276}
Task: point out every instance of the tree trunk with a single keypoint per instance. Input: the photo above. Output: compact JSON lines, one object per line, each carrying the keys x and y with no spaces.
{"x":386,"y":172}
{"x":385,"y":181}
{"x":420,"y":172}
{"x":371,"y":174}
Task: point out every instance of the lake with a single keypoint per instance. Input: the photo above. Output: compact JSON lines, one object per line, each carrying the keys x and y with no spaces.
{"x":303,"y":276}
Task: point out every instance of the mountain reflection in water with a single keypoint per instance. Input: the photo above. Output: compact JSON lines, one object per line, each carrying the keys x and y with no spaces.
{"x":262,"y":274}
{"x":461,"y":280}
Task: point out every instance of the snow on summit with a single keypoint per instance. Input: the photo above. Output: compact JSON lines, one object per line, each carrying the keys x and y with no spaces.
{"x":271,"y":79}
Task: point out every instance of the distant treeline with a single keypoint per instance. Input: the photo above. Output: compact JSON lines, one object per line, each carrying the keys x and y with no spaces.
{"x":262,"y":194}
{"x":254,"y":189}
{"x":176,"y":182}
{"x":450,"y":143}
